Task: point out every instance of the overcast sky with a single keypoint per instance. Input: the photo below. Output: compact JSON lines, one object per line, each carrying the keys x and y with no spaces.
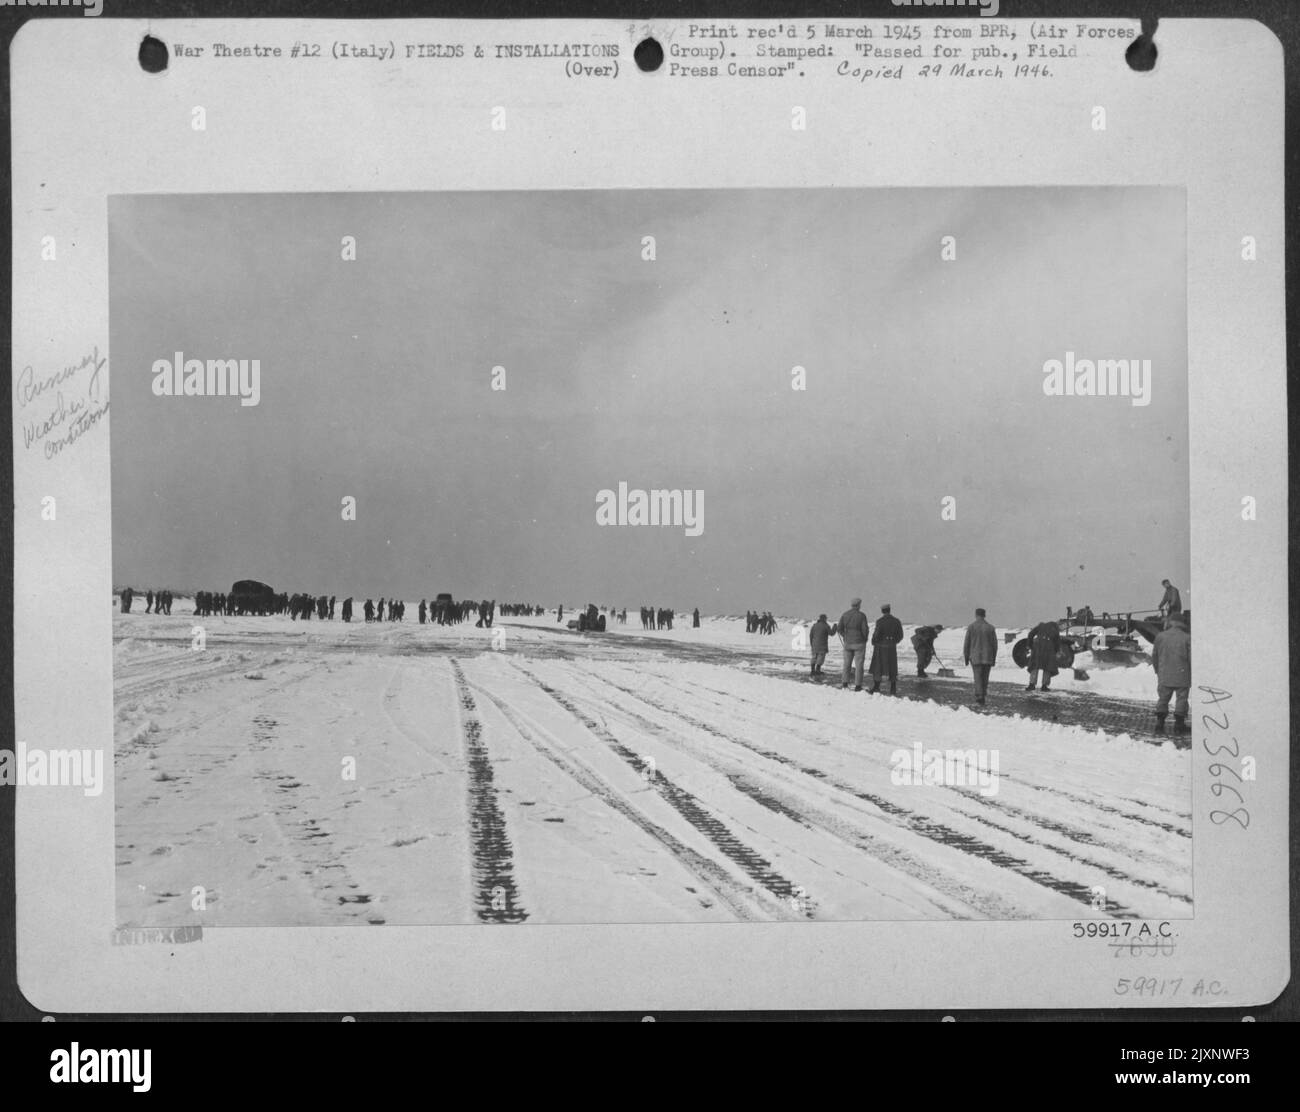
{"x":924,"y":380}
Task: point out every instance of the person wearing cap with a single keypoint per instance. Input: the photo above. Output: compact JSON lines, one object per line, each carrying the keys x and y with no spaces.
{"x":1171,"y":603}
{"x":980,"y":651}
{"x":819,"y":634}
{"x":1171,"y":657}
{"x":853,"y":629}
{"x":884,"y":650}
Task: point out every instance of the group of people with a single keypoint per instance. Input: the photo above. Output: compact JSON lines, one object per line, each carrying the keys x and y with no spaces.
{"x":208,"y":603}
{"x":855,"y":631}
{"x":661,"y":618}
{"x":156,"y":602}
{"x":759,"y":623}
{"x":443,"y":611}
{"x":1171,"y":652}
{"x":375,"y":612}
{"x":520,"y":610}
{"x":301,"y":607}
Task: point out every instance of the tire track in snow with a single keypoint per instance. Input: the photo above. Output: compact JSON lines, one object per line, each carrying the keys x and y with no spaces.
{"x":184,"y":670}
{"x":1111,"y":871}
{"x":1180,"y":830}
{"x":1072,"y":833}
{"x":754,"y":865}
{"x":709,"y":873}
{"x":493,"y":857}
{"x":931,"y":828}
{"x":990,"y":905}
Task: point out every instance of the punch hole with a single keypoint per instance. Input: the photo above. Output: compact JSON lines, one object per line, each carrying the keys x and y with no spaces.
{"x":649,"y":55}
{"x":1141,"y":52}
{"x":153,"y":54}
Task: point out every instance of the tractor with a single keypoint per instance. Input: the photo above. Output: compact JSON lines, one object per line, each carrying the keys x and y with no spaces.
{"x":590,"y":620}
{"x":1115,"y":640}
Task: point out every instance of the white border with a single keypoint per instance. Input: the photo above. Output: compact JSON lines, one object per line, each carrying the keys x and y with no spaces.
{"x":87,"y":123}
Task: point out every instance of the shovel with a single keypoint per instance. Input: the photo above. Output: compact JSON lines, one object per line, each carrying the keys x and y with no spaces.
{"x":944,"y":671}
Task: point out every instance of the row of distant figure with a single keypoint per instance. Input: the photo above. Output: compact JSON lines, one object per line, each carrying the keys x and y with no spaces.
{"x":444,"y":610}
{"x":759,"y":623}
{"x":593,"y":618}
{"x":155,"y":602}
{"x":662,"y":617}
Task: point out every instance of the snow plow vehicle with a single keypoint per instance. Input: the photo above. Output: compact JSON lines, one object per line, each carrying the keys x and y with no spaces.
{"x":1114,"y":640}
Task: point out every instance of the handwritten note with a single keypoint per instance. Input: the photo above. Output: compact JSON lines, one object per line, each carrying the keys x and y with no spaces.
{"x":58,"y":409}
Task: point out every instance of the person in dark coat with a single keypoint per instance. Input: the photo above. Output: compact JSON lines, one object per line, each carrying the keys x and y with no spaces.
{"x":1172,"y":602}
{"x":347,"y":610}
{"x":854,"y":628}
{"x":333,"y":600}
{"x":819,"y":635}
{"x":1044,"y":641}
{"x":884,"y":651}
{"x":1171,"y":657}
{"x":695,"y":618}
{"x":148,"y":600}
{"x":127,"y":596}
{"x":923,"y":643}
{"x":369,"y":609}
{"x":980,"y":651}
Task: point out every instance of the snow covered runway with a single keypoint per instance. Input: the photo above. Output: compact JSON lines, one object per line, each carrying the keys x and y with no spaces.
{"x":322,"y":773}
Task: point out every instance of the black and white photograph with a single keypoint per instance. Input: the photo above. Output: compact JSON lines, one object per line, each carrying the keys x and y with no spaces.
{"x":636,"y":556}
{"x":663,"y":518}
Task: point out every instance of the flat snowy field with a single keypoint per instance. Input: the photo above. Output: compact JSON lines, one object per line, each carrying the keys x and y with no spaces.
{"x":322,"y":773}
